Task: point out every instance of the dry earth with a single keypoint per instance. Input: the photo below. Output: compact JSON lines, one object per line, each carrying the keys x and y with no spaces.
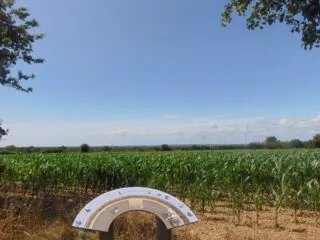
{"x":219,"y":225}
{"x":51,"y":219}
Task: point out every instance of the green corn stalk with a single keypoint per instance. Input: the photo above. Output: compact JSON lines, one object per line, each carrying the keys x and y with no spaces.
{"x":280,"y":193}
{"x":314,"y":193}
{"x":257,"y":201}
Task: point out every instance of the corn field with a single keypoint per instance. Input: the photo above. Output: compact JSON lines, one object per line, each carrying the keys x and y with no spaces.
{"x":283,"y":178}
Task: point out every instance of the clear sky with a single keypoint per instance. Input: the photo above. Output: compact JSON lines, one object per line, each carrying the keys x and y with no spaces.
{"x":122,"y":72}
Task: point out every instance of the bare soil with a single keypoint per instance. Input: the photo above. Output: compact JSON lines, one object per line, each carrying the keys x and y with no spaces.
{"x":51,"y":218}
{"x":221,"y":225}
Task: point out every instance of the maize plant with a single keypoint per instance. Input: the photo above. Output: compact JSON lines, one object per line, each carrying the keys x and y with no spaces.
{"x":314,"y":191}
{"x":282,"y":178}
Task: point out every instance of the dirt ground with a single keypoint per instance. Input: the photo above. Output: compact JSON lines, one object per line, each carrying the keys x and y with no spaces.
{"x":53,"y":222}
{"x":220,"y":225}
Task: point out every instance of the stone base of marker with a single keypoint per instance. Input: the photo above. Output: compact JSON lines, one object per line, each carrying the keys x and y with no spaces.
{"x":107,"y":235}
{"x":100,"y":213}
{"x":162,"y":233}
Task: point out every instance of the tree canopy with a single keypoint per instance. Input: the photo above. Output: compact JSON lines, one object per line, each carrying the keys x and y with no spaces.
{"x":316,"y":140}
{"x":16,"y":44}
{"x":272,"y":142}
{"x":303,"y":16}
{"x":3,"y":132}
{"x":296,"y":143}
{"x":271,"y":139}
{"x":84,"y":147}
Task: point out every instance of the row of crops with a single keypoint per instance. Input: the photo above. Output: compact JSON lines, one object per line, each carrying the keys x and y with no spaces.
{"x":283,"y":178}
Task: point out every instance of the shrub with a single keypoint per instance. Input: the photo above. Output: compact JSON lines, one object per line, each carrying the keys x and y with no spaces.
{"x":165,"y":147}
{"x":255,"y":145}
{"x":296,"y":143}
{"x":316,"y":140}
{"x":106,"y":148}
{"x":11,"y":148}
{"x":6,"y":152}
{"x":84,"y":148}
{"x":52,"y":150}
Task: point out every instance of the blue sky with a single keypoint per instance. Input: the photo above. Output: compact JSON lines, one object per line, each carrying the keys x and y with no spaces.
{"x":121,"y":72}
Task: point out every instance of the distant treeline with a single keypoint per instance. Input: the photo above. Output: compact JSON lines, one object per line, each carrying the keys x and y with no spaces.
{"x":270,"y":143}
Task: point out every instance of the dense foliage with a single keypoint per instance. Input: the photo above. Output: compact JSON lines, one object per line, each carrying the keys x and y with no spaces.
{"x":3,"y":132}
{"x":264,"y":177}
{"x":84,"y":147}
{"x":16,"y":44}
{"x":316,"y":141}
{"x":302,"y":16}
